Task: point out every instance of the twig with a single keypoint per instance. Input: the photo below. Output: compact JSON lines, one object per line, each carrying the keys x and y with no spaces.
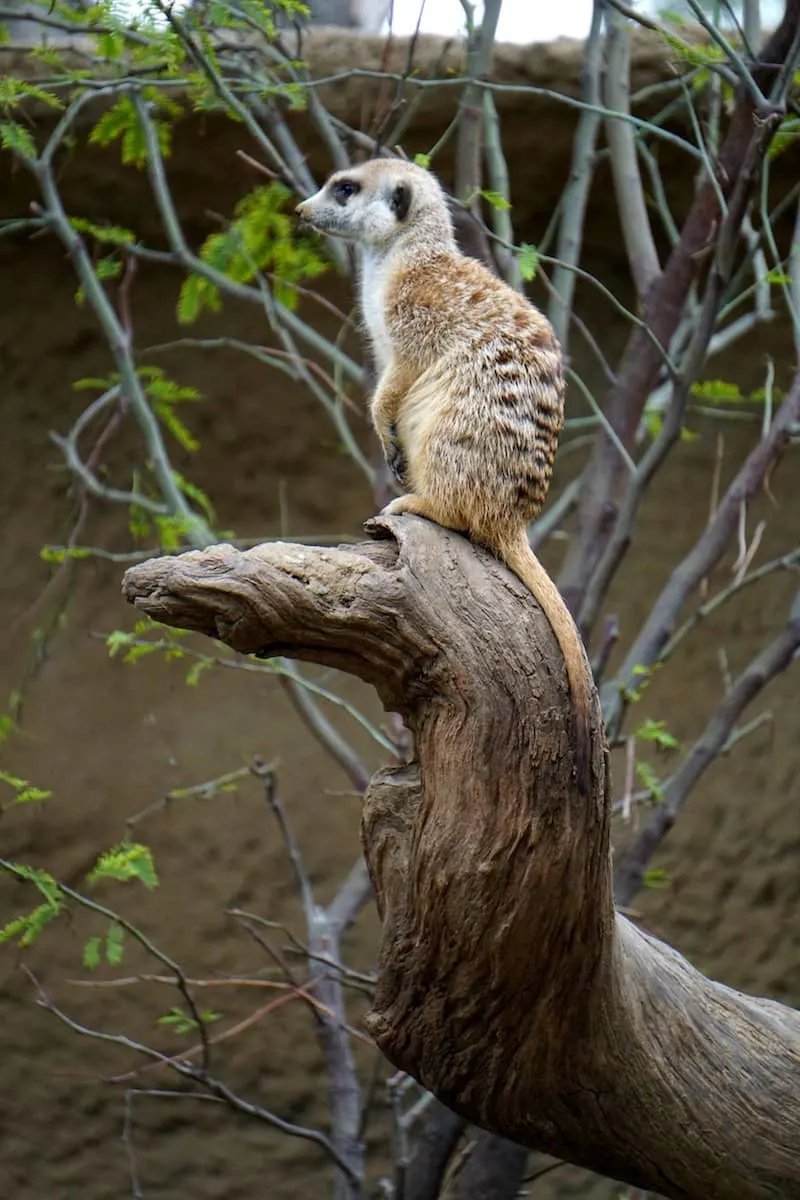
{"x":745,"y":77}
{"x":608,"y":641}
{"x":332,"y":1030}
{"x":719,"y":274}
{"x":325,"y":733}
{"x":497,"y":169}
{"x":127,"y":1138}
{"x":740,"y":156}
{"x":630,"y":776}
{"x":513,"y":89}
{"x":576,"y":194}
{"x":785,"y":562}
{"x":209,"y":788}
{"x":350,"y":899}
{"x":636,"y":232}
{"x":471,"y":126}
{"x":654,"y":638}
{"x":761,"y":670}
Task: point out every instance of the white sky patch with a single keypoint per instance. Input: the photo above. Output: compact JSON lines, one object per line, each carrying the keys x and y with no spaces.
{"x":538,"y":21}
{"x":520,"y":20}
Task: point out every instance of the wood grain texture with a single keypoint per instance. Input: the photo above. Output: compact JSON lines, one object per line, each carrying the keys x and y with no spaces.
{"x":508,"y":985}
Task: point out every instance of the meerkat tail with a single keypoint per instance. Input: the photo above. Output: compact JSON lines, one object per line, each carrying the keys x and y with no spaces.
{"x":518,"y":555}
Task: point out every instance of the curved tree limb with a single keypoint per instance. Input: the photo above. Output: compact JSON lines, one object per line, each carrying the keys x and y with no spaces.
{"x":508,"y":985}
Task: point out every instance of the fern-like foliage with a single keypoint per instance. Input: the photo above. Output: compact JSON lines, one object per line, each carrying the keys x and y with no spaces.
{"x":126,"y":861}
{"x":262,"y":237}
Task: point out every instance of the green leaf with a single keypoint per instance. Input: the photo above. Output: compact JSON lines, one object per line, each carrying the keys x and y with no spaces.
{"x":262,"y":237}
{"x":91,"y":953}
{"x":786,"y":136}
{"x":196,"y":670}
{"x":182,"y":1022}
{"x":656,"y":731}
{"x":24,"y":792}
{"x":171,"y":531}
{"x":14,"y":91}
{"x":116,"y":235}
{"x":18,"y":140}
{"x":92,"y":383}
{"x":654,"y":422}
{"x":60,"y":554}
{"x":718,"y":391}
{"x":116,"y":641}
{"x":115,"y":938}
{"x":196,"y":494}
{"x":28,"y":927}
{"x":422,"y":160}
{"x":127,"y":861}
{"x":174,"y":425}
{"x":139,"y":522}
{"x":496,"y":199}
{"x":778,"y":276}
{"x":121,"y":123}
{"x":650,"y":780}
{"x":528,"y":262}
{"x":31,"y":795}
{"x":655,"y":877}
{"x":12,"y":780}
{"x":105,"y":268}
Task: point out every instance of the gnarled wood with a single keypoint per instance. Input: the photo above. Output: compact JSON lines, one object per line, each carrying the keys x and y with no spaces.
{"x":508,"y":985}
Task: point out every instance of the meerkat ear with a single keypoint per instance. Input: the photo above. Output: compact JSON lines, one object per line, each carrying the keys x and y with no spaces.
{"x":400,"y":201}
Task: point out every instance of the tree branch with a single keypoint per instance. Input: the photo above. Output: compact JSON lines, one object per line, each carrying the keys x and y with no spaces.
{"x":635,"y":222}
{"x":576,"y":194}
{"x":664,"y":307}
{"x":566,"y":1027}
{"x":655,"y":635}
{"x":763,"y":668}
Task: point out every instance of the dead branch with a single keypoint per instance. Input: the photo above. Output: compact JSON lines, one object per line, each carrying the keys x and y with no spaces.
{"x":508,"y":985}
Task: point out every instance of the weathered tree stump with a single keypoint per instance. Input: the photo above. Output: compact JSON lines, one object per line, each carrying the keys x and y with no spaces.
{"x":508,"y":985}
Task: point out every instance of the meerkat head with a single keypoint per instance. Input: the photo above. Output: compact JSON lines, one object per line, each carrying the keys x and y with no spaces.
{"x":377,"y":202}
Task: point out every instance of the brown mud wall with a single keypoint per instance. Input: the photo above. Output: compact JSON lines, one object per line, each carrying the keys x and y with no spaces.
{"x":111,"y":739}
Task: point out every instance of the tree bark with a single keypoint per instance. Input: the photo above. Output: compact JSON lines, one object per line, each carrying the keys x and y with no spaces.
{"x":508,"y":985}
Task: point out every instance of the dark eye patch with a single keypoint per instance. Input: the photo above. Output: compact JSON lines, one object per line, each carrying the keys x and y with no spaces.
{"x":343,"y":189}
{"x":400,"y":201}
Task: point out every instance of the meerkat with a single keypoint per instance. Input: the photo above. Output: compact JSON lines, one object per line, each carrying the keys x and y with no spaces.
{"x":470,"y":399}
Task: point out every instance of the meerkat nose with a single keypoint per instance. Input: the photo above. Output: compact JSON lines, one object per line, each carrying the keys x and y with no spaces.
{"x":299,"y":211}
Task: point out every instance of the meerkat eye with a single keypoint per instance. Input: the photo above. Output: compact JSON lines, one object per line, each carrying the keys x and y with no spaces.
{"x":343,"y":189}
{"x":400,"y":201}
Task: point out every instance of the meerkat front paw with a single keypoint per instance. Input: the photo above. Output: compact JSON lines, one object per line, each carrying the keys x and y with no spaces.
{"x":393,"y":453}
{"x":396,"y":461}
{"x":411,"y":504}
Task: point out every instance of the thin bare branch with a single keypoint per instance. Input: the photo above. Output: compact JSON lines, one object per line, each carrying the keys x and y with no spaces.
{"x":471,"y":123}
{"x":761,"y":671}
{"x":656,"y":633}
{"x":576,"y":194}
{"x":634,"y":219}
